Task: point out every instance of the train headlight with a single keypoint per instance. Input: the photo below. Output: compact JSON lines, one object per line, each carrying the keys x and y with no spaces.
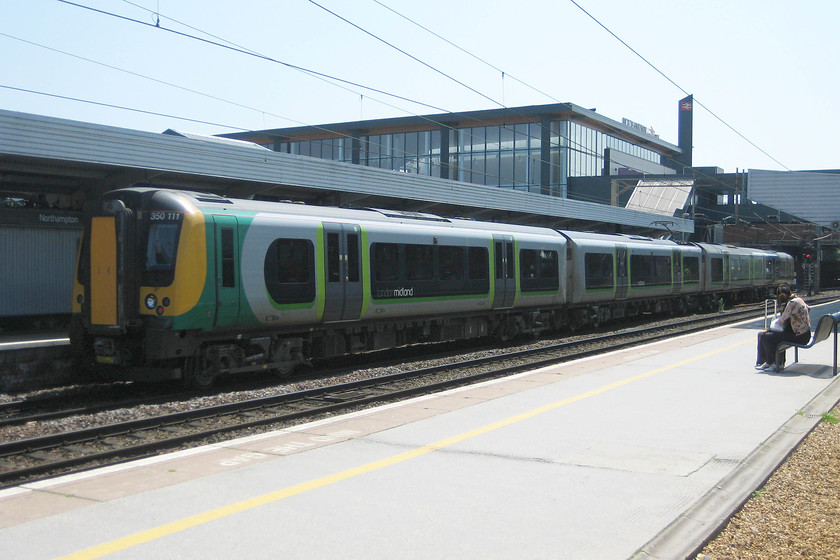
{"x":151,"y":301}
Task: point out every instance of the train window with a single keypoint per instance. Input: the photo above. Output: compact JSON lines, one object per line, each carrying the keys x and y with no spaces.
{"x":650,"y":270}
{"x":289,"y":265}
{"x":509,"y":273}
{"x":418,"y":262}
{"x":478,"y":263}
{"x":740,"y":268}
{"x":598,"y":271}
{"x":691,"y":270}
{"x":504,"y":260}
{"x":160,"y":250}
{"x":386,"y":262}
{"x":82,"y":269}
{"x":333,"y":260}
{"x":528,"y":263}
{"x":353,"y":257}
{"x":717,"y":269}
{"x":451,"y":263}
{"x":403,"y":270}
{"x":161,"y":245}
{"x":538,"y":270}
{"x":228,"y":259}
{"x":537,"y":264}
{"x":548,"y":264}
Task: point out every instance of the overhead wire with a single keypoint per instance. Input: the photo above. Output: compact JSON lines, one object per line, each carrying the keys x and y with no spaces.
{"x":661,"y":73}
{"x":121,"y":107}
{"x":504,"y":73}
{"x":583,"y":149}
{"x":239,"y":48}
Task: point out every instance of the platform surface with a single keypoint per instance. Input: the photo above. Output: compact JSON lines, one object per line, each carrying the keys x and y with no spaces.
{"x":634,"y":454}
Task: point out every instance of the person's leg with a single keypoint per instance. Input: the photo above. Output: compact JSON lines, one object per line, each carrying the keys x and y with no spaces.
{"x":761,"y":357}
{"x":769,"y":342}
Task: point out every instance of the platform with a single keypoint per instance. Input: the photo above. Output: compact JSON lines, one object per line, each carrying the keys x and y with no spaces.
{"x":640,"y":453}
{"x":34,"y":361}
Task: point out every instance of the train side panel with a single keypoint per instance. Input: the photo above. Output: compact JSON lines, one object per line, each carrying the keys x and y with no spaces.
{"x":282,"y":270}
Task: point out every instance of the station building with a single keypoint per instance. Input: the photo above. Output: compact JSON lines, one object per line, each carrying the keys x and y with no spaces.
{"x":537,"y":149}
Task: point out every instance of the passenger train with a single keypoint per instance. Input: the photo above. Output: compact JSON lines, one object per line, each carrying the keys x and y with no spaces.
{"x":177,"y":284}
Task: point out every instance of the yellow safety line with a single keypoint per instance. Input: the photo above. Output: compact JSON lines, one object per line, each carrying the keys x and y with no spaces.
{"x":225,"y":511}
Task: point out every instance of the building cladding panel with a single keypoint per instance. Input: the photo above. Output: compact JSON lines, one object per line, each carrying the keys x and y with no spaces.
{"x":784,"y":191}
{"x":27,"y":288}
{"x":32,"y":136}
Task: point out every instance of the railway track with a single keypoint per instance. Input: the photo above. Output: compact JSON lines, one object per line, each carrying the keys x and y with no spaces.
{"x":30,"y":459}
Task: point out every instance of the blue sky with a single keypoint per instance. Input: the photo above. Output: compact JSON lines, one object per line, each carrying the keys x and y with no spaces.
{"x":766,"y":68}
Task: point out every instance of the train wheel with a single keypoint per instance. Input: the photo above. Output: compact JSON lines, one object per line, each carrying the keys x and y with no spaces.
{"x":199,"y":372}
{"x":284,"y":371}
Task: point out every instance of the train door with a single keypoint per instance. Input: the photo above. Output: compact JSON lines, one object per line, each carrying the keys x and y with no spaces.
{"x":342,"y":250}
{"x":677,"y":268}
{"x":505,"y":281}
{"x":227,"y":270}
{"x":103,"y":271}
{"x":621,"y":280}
{"x":727,"y":271}
{"x":111,"y":288}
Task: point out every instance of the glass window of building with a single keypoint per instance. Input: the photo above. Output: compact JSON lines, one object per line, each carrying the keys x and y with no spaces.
{"x":509,"y":156}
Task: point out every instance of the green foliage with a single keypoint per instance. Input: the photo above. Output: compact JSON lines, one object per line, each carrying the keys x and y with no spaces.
{"x":829,"y":418}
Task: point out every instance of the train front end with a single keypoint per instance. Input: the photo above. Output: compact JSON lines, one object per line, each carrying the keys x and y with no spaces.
{"x":142,"y":269}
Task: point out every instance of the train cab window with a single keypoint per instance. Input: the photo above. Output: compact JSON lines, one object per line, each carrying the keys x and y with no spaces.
{"x":418,"y":262}
{"x":161,"y":248}
{"x":289,"y":266}
{"x":691,"y":270}
{"x":598,"y":271}
{"x":478,"y":263}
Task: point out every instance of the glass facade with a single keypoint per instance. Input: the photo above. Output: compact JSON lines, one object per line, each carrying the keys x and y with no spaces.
{"x":508,"y":156}
{"x":500,"y":156}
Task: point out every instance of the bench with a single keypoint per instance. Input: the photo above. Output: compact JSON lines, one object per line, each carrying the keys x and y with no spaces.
{"x":826,"y":326}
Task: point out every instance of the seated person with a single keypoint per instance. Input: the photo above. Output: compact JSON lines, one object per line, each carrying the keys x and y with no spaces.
{"x":796,"y":321}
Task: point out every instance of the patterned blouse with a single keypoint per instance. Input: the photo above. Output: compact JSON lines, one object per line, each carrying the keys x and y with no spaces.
{"x":797,"y":311}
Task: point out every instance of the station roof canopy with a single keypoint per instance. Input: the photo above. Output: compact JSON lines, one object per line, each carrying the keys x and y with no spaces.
{"x":48,"y":155}
{"x":661,"y":196}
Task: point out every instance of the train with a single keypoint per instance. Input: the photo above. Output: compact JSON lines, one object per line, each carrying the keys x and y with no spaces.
{"x":176,"y":284}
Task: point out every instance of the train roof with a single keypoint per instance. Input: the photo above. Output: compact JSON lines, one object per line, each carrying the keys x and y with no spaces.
{"x":617,"y":237}
{"x":209,"y":202}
